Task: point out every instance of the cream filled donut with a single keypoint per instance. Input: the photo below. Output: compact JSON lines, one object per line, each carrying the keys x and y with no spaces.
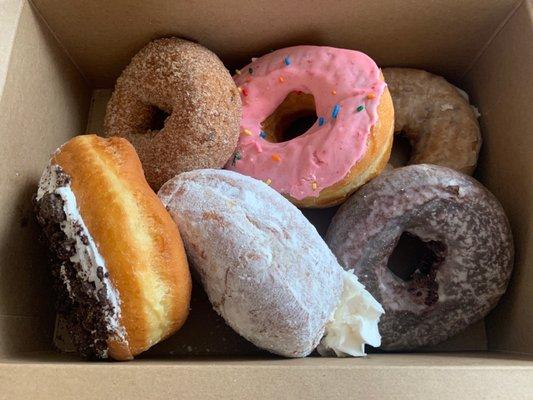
{"x":348,"y":144}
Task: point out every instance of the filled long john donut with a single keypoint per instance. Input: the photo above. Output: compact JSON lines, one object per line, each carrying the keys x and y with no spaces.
{"x":266,"y":270}
{"x":348,"y":144}
{"x":436,"y":118}
{"x":446,"y":237}
{"x":120,"y":266}
{"x":178,"y":106}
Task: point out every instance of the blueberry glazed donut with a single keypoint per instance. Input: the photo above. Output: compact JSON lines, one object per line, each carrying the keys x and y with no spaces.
{"x":178,"y":106}
{"x":348,"y":143}
{"x":447,"y":239}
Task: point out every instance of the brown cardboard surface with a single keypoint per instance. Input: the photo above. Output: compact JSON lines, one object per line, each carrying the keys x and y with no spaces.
{"x":9,"y":17}
{"x":444,"y":37}
{"x":501,"y":83}
{"x":44,"y":101}
{"x":451,"y":376}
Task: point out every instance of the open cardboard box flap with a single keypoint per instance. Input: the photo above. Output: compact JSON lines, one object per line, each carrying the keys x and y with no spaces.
{"x":55,"y":54}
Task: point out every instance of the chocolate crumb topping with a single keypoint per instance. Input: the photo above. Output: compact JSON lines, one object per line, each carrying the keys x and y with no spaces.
{"x":83,"y":307}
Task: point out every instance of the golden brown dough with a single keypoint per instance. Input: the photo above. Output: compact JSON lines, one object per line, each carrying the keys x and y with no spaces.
{"x":140,"y":278}
{"x":190,"y":84}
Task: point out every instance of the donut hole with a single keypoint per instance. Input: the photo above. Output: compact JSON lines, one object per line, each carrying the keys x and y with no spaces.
{"x":292,"y":118}
{"x":401,"y":150}
{"x":416,"y":262}
{"x":157,"y":122}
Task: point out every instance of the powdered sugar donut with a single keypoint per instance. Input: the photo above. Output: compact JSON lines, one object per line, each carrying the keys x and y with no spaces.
{"x":347,"y":145}
{"x":266,"y":270}
{"x":459,"y":258}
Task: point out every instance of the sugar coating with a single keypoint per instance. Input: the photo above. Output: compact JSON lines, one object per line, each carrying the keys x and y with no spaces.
{"x":265,"y":268}
{"x":436,"y":117}
{"x":188,"y":82}
{"x":436,"y":204}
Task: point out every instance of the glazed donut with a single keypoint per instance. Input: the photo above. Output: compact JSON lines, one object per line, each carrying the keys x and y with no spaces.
{"x":188,"y":82}
{"x":346,"y":146}
{"x":436,"y":118}
{"x":120,"y":267}
{"x":266,"y":270}
{"x":459,"y":259}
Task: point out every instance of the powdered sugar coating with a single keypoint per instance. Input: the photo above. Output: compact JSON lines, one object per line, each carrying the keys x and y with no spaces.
{"x":435,"y":204}
{"x":264,"y":266}
{"x":191,"y":84}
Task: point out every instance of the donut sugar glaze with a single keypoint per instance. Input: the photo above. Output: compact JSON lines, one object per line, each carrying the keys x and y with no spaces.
{"x":266,"y":269}
{"x":348,"y":144}
{"x":190,"y":84}
{"x":436,"y":118}
{"x":466,"y":260}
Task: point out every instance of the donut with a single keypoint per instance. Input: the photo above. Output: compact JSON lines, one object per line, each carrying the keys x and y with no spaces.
{"x":347,"y":145}
{"x":178,"y":106}
{"x":119,"y":264}
{"x":446,"y":238}
{"x":266,"y":270}
{"x":436,"y":118}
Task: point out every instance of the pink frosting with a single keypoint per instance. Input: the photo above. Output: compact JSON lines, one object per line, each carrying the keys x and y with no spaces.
{"x":339,"y":79}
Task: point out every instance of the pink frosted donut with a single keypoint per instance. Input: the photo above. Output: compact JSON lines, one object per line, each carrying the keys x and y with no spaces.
{"x":348,"y":144}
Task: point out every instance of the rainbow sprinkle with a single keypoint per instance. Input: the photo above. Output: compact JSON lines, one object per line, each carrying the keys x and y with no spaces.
{"x":360,"y":108}
{"x":238,"y":71}
{"x":247,"y":132}
{"x":281,"y":79}
{"x":268,"y":181}
{"x":314,"y":185}
{"x":276,"y":157}
{"x":287,"y":61}
{"x":262,"y":134}
{"x":371,"y":96}
{"x":236,"y":156}
{"x":244,"y":92}
{"x":335,"y":111}
{"x":321,"y":121}
{"x":333,"y":92}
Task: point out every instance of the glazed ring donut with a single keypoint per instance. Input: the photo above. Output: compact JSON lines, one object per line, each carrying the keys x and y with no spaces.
{"x":436,"y":118}
{"x":191,"y":85}
{"x":345,"y":147}
{"x":456,"y":245}
{"x":120,"y":267}
{"x":266,"y":270}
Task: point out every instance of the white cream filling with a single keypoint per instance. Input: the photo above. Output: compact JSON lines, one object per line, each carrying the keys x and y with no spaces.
{"x":87,"y":255}
{"x":355,"y":321}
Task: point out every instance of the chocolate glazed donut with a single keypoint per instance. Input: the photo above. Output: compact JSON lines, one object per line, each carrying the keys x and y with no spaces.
{"x":462,"y":264}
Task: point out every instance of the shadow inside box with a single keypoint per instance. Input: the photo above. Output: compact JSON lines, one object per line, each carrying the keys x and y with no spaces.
{"x":26,"y":295}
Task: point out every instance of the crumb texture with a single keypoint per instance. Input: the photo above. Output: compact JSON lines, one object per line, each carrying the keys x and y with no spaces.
{"x":189,"y":83}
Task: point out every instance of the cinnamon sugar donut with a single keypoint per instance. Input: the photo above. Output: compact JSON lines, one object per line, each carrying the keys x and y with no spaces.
{"x":459,"y":258}
{"x":436,"y":118}
{"x":190,"y":84}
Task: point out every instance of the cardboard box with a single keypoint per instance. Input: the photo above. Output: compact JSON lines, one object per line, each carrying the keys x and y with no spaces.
{"x":59,"y":58}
